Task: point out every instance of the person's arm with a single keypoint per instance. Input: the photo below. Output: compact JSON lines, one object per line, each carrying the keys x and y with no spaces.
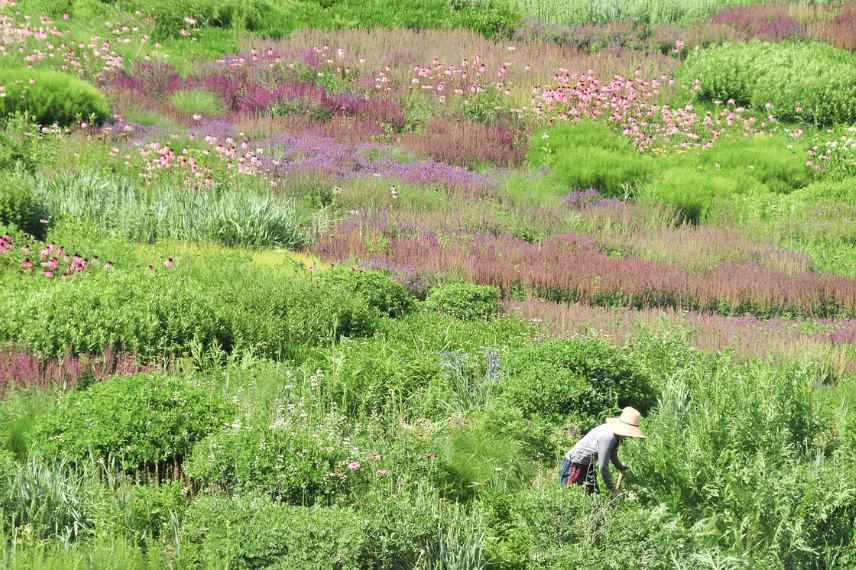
{"x":614,"y":457}
{"x":606,"y":449}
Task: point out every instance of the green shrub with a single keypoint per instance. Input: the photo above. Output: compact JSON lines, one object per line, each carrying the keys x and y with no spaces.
{"x":589,"y":154}
{"x":26,"y":147}
{"x":816,"y":78}
{"x":380,"y":291}
{"x":197,"y":101}
{"x":152,"y":315}
{"x":153,"y":510}
{"x":279,"y":313}
{"x":19,"y":205}
{"x":465,"y":301}
{"x":51,"y":97}
{"x":139,"y":421}
{"x":583,"y":377}
{"x":289,"y":460}
{"x":253,"y":532}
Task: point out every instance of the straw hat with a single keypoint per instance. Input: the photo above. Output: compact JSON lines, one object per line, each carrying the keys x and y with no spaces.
{"x":627,"y":424}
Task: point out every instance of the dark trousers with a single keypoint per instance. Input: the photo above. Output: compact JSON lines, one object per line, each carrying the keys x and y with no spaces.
{"x":578,"y":474}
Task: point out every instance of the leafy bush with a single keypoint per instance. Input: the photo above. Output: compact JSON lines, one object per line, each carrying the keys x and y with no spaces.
{"x":140,"y":421}
{"x":380,"y":291}
{"x":287,"y":459}
{"x":589,"y":154}
{"x":154,"y":508}
{"x":27,"y":147}
{"x":152,"y":315}
{"x":803,"y":81}
{"x":278,"y":313}
{"x":254,"y":532}
{"x":51,"y":97}
{"x":584,"y":377}
{"x":19,"y":205}
{"x":465,"y":301}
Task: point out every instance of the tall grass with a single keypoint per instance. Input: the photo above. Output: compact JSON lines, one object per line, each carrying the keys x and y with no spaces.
{"x":606,"y":11}
{"x":222,"y":216}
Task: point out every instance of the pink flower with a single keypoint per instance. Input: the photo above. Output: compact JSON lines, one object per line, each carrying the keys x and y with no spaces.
{"x":48,"y":274}
{"x":26,"y":264}
{"x":169,"y":263}
{"x":354,"y":465}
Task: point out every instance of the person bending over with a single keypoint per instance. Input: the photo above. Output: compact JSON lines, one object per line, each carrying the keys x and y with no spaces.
{"x":596,"y":449}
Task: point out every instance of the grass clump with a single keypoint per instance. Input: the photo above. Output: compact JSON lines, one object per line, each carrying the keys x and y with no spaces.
{"x":193,"y":101}
{"x":219,"y":215}
{"x":589,"y":154}
{"x":51,"y":97}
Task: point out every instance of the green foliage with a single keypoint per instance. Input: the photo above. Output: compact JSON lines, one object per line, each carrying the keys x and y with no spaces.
{"x":154,"y":509}
{"x":47,"y":499}
{"x":19,"y":205}
{"x":254,"y":532}
{"x":691,"y":191}
{"x":777,"y":163}
{"x":804,"y":81}
{"x":25,"y":146}
{"x":153,"y":315}
{"x":192,"y":101}
{"x":139,"y":421}
{"x":589,"y":154}
{"x":493,"y":18}
{"x":380,"y":291}
{"x":219,"y":215}
{"x":287,"y":459}
{"x":51,"y":97}
{"x":584,"y":377}
{"x":277,"y":312}
{"x":484,"y":455}
{"x":465,"y":301}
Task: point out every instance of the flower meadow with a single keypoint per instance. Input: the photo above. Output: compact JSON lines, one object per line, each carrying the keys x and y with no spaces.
{"x":337,"y":284}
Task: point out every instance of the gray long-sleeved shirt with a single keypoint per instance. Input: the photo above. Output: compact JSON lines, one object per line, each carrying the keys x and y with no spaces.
{"x":600,"y":444}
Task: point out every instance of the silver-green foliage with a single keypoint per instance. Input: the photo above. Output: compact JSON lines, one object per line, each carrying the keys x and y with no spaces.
{"x":218,"y":215}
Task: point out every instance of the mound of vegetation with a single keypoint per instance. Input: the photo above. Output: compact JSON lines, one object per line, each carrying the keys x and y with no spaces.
{"x":51,"y":97}
{"x":275,"y":20}
{"x":808,"y":82}
{"x":140,"y":421}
